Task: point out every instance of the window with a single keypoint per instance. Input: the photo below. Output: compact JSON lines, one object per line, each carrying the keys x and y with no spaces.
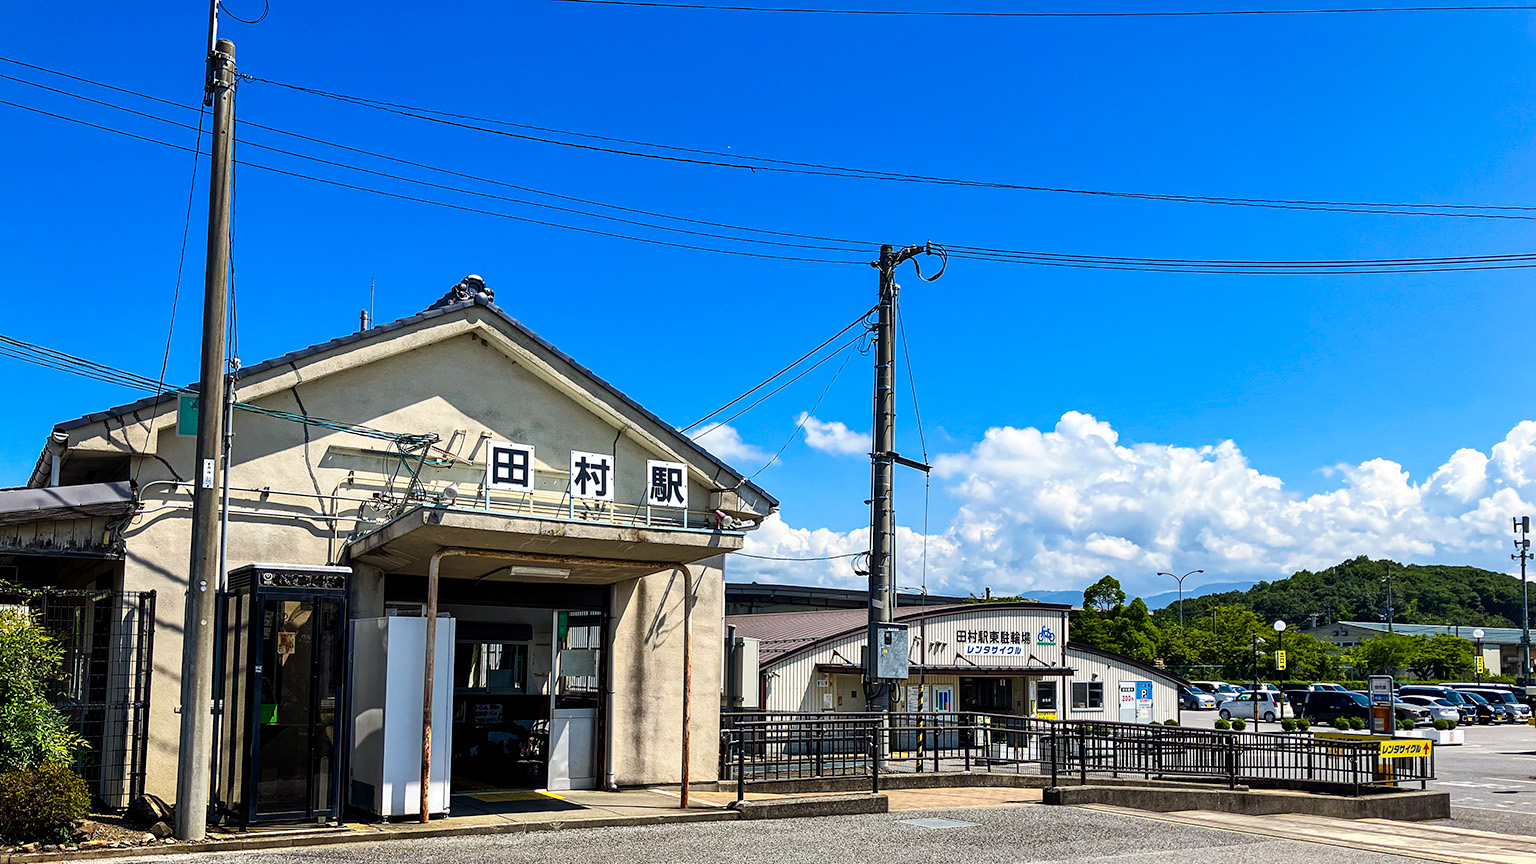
{"x":1045,"y":696}
{"x":1087,"y":695}
{"x":500,"y":667}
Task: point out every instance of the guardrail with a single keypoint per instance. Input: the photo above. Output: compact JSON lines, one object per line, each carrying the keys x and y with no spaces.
{"x":761,"y":747}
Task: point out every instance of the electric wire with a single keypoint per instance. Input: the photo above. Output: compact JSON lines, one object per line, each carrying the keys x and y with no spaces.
{"x":760,"y":163}
{"x":862,"y":319}
{"x":792,"y":558}
{"x":181,"y":261}
{"x":451,"y":206}
{"x":757,"y":163}
{"x":779,"y":388}
{"x":842,"y":247}
{"x":805,"y":418}
{"x":929,"y":13}
{"x":1071,"y":260}
{"x":38,"y":355}
{"x":266,"y":7}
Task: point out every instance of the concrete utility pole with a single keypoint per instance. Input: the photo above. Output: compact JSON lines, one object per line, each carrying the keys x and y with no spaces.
{"x":882,"y":512}
{"x":1523,"y":544}
{"x":196,"y":743}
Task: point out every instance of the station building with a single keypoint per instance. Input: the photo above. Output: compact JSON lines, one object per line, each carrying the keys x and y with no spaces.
{"x":580,"y":542}
{"x":1011,"y":658}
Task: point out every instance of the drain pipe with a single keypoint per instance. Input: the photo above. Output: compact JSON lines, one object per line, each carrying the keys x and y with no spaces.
{"x":610,"y":640}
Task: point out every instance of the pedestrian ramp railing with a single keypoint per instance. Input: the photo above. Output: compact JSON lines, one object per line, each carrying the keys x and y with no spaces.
{"x":760,"y":747}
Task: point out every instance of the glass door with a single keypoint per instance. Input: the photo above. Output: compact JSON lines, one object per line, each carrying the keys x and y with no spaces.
{"x":575,"y":697}
{"x":298,"y":672}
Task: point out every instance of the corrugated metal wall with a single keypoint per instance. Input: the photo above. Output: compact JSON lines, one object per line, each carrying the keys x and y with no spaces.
{"x":792,"y":682}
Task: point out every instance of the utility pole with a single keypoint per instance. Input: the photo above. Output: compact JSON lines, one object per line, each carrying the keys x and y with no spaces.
{"x":1390,"y":614}
{"x":1523,"y":544}
{"x":194,"y":756}
{"x":883,"y":458}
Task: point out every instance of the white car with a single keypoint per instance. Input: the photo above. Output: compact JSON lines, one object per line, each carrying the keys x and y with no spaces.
{"x":1267,"y":706}
{"x":1331,"y":688}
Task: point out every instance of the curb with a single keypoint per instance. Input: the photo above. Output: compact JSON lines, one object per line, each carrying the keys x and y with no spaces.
{"x":251,"y":844}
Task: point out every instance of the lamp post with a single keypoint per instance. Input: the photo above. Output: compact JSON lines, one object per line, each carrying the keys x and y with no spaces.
{"x":1181,"y":591}
{"x":1477,"y":662}
{"x":1254,"y":693}
{"x":1280,"y":629}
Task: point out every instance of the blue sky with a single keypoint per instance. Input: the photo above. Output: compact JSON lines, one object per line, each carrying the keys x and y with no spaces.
{"x":1303,"y":374}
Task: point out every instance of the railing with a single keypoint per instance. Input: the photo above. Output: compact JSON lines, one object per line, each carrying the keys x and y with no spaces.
{"x":764,"y":747}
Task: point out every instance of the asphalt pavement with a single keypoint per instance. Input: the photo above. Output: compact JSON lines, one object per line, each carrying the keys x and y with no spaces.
{"x":995,"y":834}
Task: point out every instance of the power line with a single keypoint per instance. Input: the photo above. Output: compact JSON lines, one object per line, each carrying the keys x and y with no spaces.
{"x":790,"y":558}
{"x":926,"y":13}
{"x":1051,"y":259}
{"x":770,"y":379}
{"x":48,"y":358}
{"x":761,"y":163}
{"x":770,"y":394}
{"x":720,"y":159}
{"x":804,"y":418}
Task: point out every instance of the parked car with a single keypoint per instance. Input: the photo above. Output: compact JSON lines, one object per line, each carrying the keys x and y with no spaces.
{"x":1263,"y":705}
{"x":1220,"y":689}
{"x":1297,"y":700}
{"x":1487,"y":711}
{"x":1196,"y":699}
{"x":1469,"y":711}
{"x":1418,"y":715}
{"x":1439,"y":709}
{"x":1518,"y":711}
{"x":1333,"y":688}
{"x":1326,"y":706}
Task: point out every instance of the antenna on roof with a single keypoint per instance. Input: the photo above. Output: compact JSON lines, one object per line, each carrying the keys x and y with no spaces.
{"x":365,"y":317}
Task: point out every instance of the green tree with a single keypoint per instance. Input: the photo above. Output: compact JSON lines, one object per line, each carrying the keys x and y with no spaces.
{"x":1441,"y":656}
{"x":1104,"y":595}
{"x":32,"y":731}
{"x":1382,"y":655}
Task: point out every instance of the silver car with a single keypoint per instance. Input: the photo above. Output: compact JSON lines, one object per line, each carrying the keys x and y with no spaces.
{"x":1439,"y":709}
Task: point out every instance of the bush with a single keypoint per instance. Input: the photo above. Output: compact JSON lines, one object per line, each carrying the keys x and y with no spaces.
{"x":1239,"y":724}
{"x":1342,"y":723}
{"x":32,"y":731}
{"x":1170,"y":722}
{"x":1288,"y":725}
{"x":1303,"y":723}
{"x":1356,"y":723}
{"x":1405,"y":725}
{"x":1223,"y":724}
{"x":1444,"y":725}
{"x":42,"y":804}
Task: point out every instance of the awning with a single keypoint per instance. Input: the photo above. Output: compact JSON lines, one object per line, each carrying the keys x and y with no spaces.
{"x":53,"y":503}
{"x":543,"y":549}
{"x":962,"y":671}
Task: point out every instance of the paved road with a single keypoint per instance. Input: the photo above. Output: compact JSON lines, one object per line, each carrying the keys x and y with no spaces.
{"x":1495,"y":769}
{"x":999,"y":834}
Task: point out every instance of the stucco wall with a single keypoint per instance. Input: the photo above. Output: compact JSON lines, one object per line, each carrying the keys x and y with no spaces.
{"x":647,"y":674}
{"x":461,"y":372}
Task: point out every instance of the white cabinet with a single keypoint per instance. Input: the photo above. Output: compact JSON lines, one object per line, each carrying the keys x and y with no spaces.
{"x":389,"y":655}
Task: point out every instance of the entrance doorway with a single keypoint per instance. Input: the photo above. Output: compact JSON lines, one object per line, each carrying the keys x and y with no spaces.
{"x":500,"y":720}
{"x":577,"y":695}
{"x":987,"y":695}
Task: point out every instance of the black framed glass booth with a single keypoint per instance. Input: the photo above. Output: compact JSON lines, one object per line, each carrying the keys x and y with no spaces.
{"x":280,"y":730}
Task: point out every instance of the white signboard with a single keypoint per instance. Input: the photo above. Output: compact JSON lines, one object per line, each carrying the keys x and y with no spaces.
{"x":591,"y":476}
{"x":666,"y":484}
{"x":509,"y":466}
{"x":1127,"y":701}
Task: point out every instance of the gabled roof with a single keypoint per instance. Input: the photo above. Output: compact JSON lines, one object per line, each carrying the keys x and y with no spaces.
{"x":782,"y":633}
{"x":476,"y":295}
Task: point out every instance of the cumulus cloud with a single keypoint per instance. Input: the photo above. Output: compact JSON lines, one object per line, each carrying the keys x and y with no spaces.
{"x":725,"y":442}
{"x":832,"y":436}
{"x":1056,"y":509}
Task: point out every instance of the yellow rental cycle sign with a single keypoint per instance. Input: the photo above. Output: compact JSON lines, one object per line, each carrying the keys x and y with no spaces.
{"x":1405,"y":749}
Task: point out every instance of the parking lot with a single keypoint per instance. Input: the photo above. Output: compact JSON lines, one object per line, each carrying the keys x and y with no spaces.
{"x":1495,"y":769}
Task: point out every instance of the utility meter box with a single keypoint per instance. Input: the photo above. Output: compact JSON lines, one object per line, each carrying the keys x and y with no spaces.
{"x":892,"y":650}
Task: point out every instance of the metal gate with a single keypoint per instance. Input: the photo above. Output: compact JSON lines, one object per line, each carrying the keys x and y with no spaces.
{"x":103,"y":689}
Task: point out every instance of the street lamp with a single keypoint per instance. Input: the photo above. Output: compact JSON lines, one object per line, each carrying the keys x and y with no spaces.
{"x":1181,"y":590}
{"x":1280,"y":629}
{"x":1477,"y":662}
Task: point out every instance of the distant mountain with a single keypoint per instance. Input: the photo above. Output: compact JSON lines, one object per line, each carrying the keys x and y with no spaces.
{"x":1158,"y":601}
{"x":1357,"y":590}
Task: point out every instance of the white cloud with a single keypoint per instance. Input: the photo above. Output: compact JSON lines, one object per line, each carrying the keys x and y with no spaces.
{"x":833,"y":436}
{"x":725,"y":442}
{"x":1057,"y":509}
